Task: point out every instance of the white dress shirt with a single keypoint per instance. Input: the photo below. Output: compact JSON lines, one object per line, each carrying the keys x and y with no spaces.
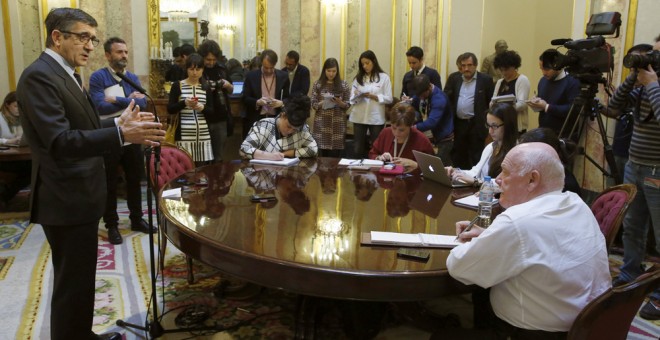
{"x":544,"y":259}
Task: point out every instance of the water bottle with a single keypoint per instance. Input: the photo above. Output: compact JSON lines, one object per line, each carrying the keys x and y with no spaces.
{"x":486,"y":194}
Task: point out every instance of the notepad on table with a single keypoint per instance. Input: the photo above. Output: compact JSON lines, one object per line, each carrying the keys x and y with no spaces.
{"x":368,"y":162}
{"x":420,"y":240}
{"x":284,"y":162}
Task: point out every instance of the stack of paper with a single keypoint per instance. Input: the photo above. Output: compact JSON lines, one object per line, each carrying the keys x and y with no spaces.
{"x":507,"y":98}
{"x":284,"y":162}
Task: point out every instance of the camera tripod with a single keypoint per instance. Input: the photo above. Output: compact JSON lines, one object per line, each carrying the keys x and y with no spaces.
{"x":586,"y":106}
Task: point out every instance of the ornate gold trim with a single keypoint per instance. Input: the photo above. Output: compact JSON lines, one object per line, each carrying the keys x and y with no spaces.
{"x":9,"y":48}
{"x":342,"y":43}
{"x":410,"y":13}
{"x":324,"y":30}
{"x":367,"y":23}
{"x":393,"y":43}
{"x":44,"y":14}
{"x":449,"y":37}
{"x":438,"y":52}
{"x":153,"y":40}
{"x":262,"y":24}
{"x":630,"y":34}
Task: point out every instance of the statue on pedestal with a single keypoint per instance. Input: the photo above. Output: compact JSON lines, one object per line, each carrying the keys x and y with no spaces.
{"x":487,"y":65}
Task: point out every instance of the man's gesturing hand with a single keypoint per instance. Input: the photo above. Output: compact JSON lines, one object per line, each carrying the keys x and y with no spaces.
{"x":138,"y":130}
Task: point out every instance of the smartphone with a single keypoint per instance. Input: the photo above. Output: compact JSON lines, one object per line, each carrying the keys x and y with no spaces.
{"x":262,"y":198}
{"x":414,"y":254}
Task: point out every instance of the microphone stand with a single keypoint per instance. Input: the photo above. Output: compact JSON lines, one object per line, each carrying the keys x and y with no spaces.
{"x":154,"y":328}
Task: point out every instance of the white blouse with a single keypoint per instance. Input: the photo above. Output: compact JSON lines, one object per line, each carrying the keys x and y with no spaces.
{"x":369,"y":111}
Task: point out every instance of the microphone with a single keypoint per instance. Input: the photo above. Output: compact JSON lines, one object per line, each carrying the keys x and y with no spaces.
{"x":132,"y":83}
{"x":559,"y":42}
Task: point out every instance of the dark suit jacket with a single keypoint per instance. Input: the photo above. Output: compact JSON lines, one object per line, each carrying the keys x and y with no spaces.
{"x":68,"y":142}
{"x":252,"y":91}
{"x":434,"y":78}
{"x":300,"y":80}
{"x":483,"y":94}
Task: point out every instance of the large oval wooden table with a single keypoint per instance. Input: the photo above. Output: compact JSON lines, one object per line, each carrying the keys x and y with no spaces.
{"x":308,"y":240}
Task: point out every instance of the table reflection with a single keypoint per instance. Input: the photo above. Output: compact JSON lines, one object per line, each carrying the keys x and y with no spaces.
{"x":315,"y":223}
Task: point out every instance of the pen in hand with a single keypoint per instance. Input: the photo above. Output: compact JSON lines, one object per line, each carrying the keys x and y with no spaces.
{"x":468,"y":228}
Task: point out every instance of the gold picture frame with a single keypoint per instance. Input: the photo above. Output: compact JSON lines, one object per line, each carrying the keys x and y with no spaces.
{"x":179,"y":33}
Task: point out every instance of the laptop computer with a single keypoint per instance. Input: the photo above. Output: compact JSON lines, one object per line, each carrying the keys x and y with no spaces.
{"x":433,"y":169}
{"x":238,"y":89}
{"x":429,"y":198}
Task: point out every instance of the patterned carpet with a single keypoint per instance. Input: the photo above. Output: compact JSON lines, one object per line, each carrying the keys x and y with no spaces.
{"x":212,"y":301}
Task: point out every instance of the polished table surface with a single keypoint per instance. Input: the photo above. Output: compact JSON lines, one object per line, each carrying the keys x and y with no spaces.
{"x":308,"y":240}
{"x":22,"y":153}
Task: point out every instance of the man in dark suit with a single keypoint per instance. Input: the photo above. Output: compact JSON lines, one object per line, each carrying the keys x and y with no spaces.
{"x":469,"y":94}
{"x":415,"y":56}
{"x":298,"y":74}
{"x":264,"y":90}
{"x":68,"y":142}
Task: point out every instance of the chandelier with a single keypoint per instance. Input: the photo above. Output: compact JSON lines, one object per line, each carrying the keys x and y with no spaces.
{"x":178,"y":10}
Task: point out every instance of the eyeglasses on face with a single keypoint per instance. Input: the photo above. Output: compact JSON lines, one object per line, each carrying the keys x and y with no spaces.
{"x":84,"y":38}
{"x":493,"y":126}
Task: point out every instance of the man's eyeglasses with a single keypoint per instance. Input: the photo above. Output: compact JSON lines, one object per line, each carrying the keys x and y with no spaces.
{"x":493,"y":126}
{"x":85,"y":38}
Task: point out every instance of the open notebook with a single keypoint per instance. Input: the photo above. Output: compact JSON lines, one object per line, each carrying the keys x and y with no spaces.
{"x":384,"y":238}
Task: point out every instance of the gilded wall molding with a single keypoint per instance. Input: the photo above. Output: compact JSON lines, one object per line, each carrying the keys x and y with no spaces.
{"x":9,"y":47}
{"x":262,"y":24}
{"x":629,"y":39}
{"x":153,"y":33}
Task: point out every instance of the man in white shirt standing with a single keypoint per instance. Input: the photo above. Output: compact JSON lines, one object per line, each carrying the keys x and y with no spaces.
{"x":544,"y":258}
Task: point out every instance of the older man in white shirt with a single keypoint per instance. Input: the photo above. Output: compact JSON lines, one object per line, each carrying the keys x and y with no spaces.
{"x":544,"y":258}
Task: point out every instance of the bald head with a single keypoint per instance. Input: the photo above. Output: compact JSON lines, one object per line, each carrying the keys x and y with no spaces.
{"x":529,"y":170}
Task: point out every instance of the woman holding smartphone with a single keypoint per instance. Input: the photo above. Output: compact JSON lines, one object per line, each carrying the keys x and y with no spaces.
{"x":330,"y":95}
{"x":370,"y":93}
{"x":189,"y":99}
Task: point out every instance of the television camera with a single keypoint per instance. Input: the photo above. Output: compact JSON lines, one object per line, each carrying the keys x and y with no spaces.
{"x":587,"y":59}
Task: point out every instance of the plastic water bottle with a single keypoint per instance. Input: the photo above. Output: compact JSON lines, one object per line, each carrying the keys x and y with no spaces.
{"x":486,"y":194}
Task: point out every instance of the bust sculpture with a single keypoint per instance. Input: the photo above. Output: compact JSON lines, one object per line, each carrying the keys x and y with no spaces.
{"x":487,"y":64}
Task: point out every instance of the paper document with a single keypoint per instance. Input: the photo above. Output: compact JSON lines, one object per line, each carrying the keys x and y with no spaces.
{"x":507,"y":98}
{"x":369,"y":162}
{"x":327,"y":101}
{"x":284,"y":162}
{"x":414,"y":240}
{"x":114,"y":91}
{"x":471,"y":201}
{"x":172,"y":193}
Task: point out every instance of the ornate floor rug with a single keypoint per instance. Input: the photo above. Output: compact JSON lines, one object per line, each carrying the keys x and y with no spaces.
{"x":227,"y":307}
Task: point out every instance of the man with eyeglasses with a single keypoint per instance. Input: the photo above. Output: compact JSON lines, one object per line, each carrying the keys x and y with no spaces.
{"x":469,"y":94}
{"x":286,"y":135}
{"x":68,"y":142}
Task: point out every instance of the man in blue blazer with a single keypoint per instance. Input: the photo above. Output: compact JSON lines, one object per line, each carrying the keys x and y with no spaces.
{"x":298,"y":74}
{"x":68,"y":142}
{"x":263,"y":91}
{"x":469,"y":94}
{"x":415,"y":56}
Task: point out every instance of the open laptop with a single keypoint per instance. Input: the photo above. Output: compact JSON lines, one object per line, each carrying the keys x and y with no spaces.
{"x":238,"y":89}
{"x":433,"y":169}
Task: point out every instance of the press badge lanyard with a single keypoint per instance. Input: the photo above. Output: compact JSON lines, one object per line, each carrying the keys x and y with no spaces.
{"x":402,"y":147}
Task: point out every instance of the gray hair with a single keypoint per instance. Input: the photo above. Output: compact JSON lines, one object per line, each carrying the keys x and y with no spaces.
{"x":543,"y":158}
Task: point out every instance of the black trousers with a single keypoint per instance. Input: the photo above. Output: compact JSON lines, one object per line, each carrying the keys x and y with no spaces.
{"x":132,"y":161}
{"x":74,"y":253}
{"x":22,"y":170}
{"x":468,"y":143}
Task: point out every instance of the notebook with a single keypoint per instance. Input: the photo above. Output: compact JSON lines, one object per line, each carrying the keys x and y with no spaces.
{"x":433,"y":169}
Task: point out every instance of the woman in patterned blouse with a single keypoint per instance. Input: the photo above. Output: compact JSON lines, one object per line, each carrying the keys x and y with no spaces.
{"x":188,"y":98}
{"x":330,"y":95}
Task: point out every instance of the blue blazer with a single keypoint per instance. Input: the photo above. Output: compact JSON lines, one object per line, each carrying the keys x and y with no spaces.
{"x":434,"y":78}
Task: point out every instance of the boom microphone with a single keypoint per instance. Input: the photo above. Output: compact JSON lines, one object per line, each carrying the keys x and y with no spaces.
{"x":132,"y":83}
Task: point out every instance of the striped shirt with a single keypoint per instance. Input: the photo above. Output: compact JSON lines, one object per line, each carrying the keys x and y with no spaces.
{"x":265,"y":136}
{"x":195,"y":136}
{"x":645,"y":142}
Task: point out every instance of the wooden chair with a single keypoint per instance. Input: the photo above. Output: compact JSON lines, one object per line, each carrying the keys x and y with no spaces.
{"x":610,"y":208}
{"x":174,"y":161}
{"x":609,"y":316}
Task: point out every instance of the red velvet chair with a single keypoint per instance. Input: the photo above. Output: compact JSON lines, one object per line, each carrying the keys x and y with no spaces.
{"x":609,"y":316}
{"x":174,"y":161}
{"x":610,"y":208}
